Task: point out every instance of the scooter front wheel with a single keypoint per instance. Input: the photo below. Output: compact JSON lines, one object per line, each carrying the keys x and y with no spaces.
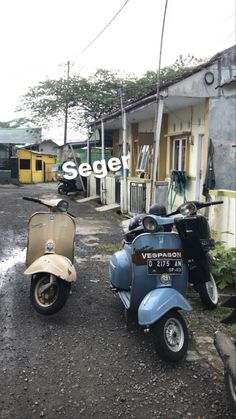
{"x":208,"y":293}
{"x":230,"y":386}
{"x":170,"y":337}
{"x":48,"y":293}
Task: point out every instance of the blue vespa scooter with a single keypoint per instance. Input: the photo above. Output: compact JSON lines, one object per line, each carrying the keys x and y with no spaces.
{"x":152,"y":271}
{"x":151,"y":278}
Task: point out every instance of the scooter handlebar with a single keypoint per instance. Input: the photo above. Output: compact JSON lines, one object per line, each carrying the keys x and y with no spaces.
{"x":198,"y":205}
{"x":208,"y":204}
{"x":26,"y":198}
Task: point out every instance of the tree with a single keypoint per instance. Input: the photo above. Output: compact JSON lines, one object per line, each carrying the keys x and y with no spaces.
{"x":14,"y":123}
{"x":99,"y":94}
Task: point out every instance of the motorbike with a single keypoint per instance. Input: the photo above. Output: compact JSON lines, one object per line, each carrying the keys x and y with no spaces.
{"x":50,"y":254}
{"x":226,"y":348}
{"x":152,"y":270}
{"x":197,"y":243}
{"x":150,"y":277}
{"x":68,"y":187}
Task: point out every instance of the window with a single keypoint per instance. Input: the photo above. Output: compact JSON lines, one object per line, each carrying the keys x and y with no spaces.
{"x":179,"y":152}
{"x":25,"y":164}
{"x":38,"y":165}
{"x":143,"y":159}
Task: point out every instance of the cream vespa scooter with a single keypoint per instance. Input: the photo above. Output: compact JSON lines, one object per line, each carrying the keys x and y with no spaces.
{"x":50,"y":254}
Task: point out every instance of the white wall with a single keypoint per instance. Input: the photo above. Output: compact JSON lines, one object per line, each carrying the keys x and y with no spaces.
{"x":222,"y":217}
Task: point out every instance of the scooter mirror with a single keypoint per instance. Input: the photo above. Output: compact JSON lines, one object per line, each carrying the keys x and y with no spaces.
{"x":188,"y":209}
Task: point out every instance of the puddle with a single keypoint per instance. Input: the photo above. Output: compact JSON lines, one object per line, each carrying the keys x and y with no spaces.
{"x":101,"y":258}
{"x":17,"y":256}
{"x":90,"y":241}
{"x":92,"y":227}
{"x":97,"y":258}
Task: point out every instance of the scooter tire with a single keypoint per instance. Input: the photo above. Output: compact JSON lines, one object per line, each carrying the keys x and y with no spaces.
{"x":208,"y":293}
{"x":230,"y":387}
{"x":170,"y":337}
{"x":56,"y":297}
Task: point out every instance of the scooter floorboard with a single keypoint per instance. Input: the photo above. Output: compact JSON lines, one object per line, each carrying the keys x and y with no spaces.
{"x":125,"y":298}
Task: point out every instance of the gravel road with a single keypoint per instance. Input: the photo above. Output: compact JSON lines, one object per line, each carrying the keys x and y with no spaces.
{"x":82,"y":362}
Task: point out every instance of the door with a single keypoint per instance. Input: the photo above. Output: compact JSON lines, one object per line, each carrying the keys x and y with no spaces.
{"x":199,"y":168}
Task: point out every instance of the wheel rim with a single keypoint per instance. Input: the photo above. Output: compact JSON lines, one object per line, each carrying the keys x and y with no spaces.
{"x":49,"y":297}
{"x":212,"y":290}
{"x":232,"y":388}
{"x":174,"y":334}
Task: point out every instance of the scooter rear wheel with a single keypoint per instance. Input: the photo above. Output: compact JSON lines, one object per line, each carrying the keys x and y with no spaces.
{"x":170,"y":337}
{"x":53,"y":298}
{"x":208,"y":293}
{"x":230,"y":390}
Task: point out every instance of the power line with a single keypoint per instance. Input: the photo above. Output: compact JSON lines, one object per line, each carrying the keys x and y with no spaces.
{"x":103,"y":30}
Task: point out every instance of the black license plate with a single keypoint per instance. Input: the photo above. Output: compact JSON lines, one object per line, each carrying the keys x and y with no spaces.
{"x":165,"y":266}
{"x":208,"y":244}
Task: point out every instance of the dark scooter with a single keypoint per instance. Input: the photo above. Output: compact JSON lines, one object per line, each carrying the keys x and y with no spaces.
{"x":226,"y":348}
{"x":151,"y":274}
{"x":197,"y":242}
{"x":68,"y":187}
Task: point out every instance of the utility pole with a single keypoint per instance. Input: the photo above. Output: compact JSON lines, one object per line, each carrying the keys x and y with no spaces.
{"x":158,"y":115}
{"x":124,"y":150}
{"x":67,"y":100}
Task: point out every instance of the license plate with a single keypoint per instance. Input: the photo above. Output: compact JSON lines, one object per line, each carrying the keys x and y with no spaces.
{"x":208,"y":244}
{"x":164,"y":266}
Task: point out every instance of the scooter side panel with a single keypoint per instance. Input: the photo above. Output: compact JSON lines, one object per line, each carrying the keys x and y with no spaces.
{"x":158,"y":302}
{"x":142,"y":282}
{"x":120,"y":269}
{"x":54,"y":264}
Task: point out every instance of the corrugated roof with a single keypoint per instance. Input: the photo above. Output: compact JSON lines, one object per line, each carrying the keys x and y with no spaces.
{"x":20,"y":135}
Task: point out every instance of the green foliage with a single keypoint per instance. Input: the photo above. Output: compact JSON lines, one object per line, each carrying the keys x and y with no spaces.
{"x":15,"y":123}
{"x":99,"y":94}
{"x":224,"y":268}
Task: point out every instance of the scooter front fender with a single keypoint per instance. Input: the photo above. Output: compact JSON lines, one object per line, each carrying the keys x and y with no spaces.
{"x":158,"y":302}
{"x":57,"y":265}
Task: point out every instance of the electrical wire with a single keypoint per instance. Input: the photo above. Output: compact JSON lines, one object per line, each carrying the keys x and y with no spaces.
{"x":103,"y":30}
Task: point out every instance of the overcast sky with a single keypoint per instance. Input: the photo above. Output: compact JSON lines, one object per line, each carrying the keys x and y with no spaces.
{"x":38,"y":36}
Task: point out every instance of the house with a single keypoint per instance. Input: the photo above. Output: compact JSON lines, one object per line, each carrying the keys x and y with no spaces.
{"x":192,"y":156}
{"x":36,"y":167}
{"x":10,"y":138}
{"x":48,"y":147}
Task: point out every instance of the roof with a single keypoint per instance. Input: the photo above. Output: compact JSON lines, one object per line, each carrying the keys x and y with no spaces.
{"x":151,"y":96}
{"x":19,"y":135}
{"x":37,"y":152}
{"x":48,"y":141}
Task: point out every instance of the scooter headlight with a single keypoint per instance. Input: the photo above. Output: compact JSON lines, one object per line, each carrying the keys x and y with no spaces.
{"x":188,"y":209}
{"x":150,"y":224}
{"x":63,"y":205}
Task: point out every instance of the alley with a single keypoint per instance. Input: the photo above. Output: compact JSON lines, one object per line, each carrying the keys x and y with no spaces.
{"x":82,"y":362}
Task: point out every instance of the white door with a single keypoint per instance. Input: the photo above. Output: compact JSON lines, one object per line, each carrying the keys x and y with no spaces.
{"x":199,"y":168}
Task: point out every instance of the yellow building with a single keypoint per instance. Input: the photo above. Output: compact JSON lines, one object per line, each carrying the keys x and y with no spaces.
{"x":35,"y":167}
